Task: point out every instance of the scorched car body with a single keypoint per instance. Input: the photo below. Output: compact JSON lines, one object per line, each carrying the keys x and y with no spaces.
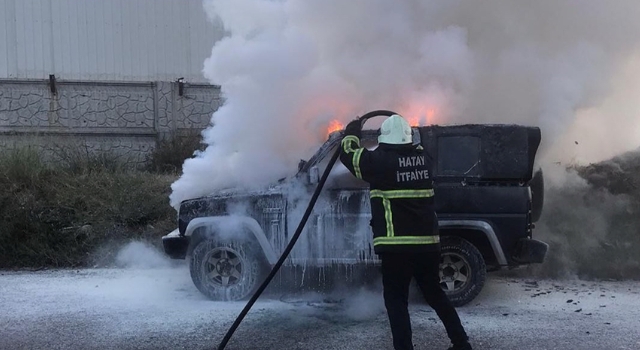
{"x":487,"y":200}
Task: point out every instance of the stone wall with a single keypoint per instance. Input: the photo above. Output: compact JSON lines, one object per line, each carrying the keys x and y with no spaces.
{"x":125,"y":119}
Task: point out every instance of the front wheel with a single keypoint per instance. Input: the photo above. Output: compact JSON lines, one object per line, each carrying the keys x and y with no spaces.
{"x":462,"y":270}
{"x":225,"y":271}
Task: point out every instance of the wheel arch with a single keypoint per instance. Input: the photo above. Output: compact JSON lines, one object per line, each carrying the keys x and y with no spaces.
{"x":211,"y":226}
{"x":479,"y":233}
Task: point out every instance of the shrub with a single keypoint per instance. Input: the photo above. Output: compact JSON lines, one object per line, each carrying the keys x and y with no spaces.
{"x":21,"y":167}
{"x":59,"y":214}
{"x":592,"y":221}
{"x":80,"y":159}
{"x":171,"y":151}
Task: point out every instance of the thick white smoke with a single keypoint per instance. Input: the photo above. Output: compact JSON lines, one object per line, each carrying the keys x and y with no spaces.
{"x":287,"y":68}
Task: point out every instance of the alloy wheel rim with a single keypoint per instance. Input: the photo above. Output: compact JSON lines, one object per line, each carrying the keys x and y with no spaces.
{"x":455,"y":272}
{"x":223,"y":267}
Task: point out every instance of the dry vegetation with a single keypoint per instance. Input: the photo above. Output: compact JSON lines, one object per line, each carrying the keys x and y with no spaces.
{"x":592,"y":222}
{"x":65,"y":214}
{"x":78,"y":212}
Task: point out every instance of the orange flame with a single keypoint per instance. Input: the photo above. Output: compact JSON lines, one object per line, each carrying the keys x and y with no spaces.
{"x":414,"y":121}
{"x":420,"y":117}
{"x":416,"y":116}
{"x":334,"y":126}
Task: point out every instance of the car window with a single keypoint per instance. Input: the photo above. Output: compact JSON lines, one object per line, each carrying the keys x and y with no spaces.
{"x":459,"y":156}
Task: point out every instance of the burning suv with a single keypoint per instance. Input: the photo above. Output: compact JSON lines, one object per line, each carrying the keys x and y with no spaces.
{"x":487,"y":201}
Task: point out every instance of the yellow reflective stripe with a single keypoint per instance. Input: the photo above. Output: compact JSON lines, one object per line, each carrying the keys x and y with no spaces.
{"x":388,"y":217}
{"x":406,"y":240}
{"x":394,"y":194}
{"x":356,"y":162}
{"x":346,"y":143}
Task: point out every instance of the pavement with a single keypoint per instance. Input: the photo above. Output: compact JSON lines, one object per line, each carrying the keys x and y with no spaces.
{"x":159,"y":308}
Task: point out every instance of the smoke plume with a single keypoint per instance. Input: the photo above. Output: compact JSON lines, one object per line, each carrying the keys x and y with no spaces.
{"x":287,"y":68}
{"x":141,"y":255}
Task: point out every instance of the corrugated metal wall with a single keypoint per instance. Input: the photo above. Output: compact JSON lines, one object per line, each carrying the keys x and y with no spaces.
{"x":122,"y":40}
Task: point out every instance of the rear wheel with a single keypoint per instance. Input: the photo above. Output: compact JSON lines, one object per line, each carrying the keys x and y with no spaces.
{"x":462,"y":270}
{"x":225,"y":271}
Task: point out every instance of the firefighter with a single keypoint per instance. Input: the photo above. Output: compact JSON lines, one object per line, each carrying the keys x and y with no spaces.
{"x":404,"y":224}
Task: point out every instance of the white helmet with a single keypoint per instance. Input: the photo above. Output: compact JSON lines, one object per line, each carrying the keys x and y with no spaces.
{"x":395,"y":130}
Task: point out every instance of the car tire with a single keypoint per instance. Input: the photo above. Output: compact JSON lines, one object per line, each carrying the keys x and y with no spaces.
{"x":225,"y":271}
{"x":462,"y":270}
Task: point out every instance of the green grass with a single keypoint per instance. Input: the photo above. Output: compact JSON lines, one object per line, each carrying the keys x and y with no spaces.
{"x":60,"y":214}
{"x":171,"y":151}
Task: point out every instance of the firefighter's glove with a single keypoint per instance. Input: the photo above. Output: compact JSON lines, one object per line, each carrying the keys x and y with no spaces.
{"x":354,"y":128}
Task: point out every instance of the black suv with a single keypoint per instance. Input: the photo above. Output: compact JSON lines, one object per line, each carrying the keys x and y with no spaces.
{"x":487,"y":200}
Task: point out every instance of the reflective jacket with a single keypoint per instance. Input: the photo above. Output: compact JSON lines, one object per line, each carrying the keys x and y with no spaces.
{"x":401,"y":194}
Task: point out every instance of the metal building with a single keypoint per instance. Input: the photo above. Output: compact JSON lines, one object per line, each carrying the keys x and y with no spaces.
{"x":105,"y":40}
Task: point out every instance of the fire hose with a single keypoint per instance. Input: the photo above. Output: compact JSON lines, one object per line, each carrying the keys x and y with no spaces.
{"x":296,"y":235}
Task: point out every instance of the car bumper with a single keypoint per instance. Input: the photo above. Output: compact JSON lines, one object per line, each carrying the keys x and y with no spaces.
{"x":530,"y":251}
{"x":175,"y":245}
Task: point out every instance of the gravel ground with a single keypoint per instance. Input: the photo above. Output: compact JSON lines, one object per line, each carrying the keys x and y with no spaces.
{"x":159,"y":308}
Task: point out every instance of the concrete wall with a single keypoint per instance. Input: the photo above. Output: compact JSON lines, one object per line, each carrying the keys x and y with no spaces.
{"x":125,"y":119}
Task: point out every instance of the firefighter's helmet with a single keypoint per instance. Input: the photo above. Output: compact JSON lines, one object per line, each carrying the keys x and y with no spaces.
{"x":395,"y":130}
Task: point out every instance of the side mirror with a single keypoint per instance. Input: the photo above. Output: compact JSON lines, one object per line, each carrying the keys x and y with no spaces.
{"x":415,"y":135}
{"x":301,"y":164}
{"x":314,"y":175}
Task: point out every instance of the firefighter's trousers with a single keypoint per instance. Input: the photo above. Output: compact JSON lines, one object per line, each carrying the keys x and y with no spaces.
{"x":397,"y":271}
